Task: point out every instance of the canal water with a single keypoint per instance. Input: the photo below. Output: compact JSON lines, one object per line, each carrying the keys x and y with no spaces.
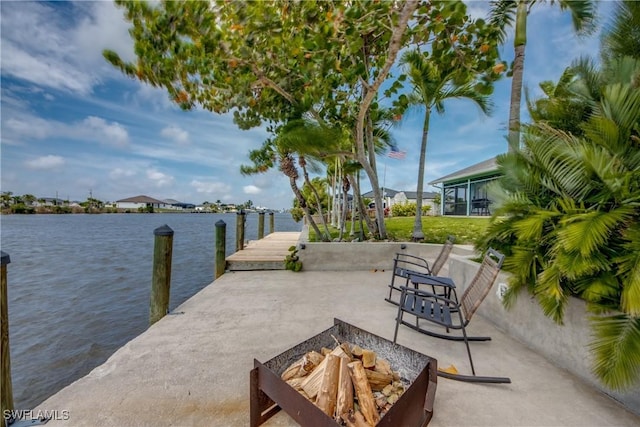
{"x":79,"y":286}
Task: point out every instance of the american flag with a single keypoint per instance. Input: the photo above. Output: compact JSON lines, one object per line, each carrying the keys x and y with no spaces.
{"x":397,"y":154}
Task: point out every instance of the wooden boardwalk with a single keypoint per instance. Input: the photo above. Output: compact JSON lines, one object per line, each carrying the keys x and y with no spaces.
{"x":264,"y":254}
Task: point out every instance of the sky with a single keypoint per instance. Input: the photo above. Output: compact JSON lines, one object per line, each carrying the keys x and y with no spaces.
{"x":72,"y":125}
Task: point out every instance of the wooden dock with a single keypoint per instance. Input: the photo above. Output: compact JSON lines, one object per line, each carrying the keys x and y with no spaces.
{"x":264,"y":254}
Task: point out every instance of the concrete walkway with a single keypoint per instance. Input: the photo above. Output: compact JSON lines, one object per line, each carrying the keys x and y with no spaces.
{"x":192,"y":369}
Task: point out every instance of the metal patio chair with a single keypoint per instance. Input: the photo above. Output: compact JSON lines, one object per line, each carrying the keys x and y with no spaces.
{"x":405,"y":265}
{"x":448,"y":312}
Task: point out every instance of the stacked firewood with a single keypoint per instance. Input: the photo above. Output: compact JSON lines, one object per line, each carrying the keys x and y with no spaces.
{"x":348,"y":383}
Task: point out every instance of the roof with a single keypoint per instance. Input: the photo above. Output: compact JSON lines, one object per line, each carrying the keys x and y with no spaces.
{"x":387,"y":193}
{"x":141,"y":199}
{"x":483,"y":168}
{"x":171,"y":202}
{"x":414,"y":194}
{"x":409,"y":194}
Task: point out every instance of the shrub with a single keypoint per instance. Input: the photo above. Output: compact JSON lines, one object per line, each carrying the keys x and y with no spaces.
{"x":407,"y":209}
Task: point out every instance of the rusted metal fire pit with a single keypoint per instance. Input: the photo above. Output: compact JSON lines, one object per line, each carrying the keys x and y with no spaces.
{"x":269,"y":393}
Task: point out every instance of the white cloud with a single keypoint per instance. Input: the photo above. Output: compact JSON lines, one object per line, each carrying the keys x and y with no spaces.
{"x":110,"y":133}
{"x":118,"y":173}
{"x":176,"y":134}
{"x":50,"y":49}
{"x":160,"y":179}
{"x":45,"y":162}
{"x":210,"y":187}
{"x":251,"y":189}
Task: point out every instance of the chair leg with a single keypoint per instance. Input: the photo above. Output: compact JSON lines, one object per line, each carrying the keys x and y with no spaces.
{"x":466,"y":342}
{"x":398,"y":320}
{"x":442,"y":336}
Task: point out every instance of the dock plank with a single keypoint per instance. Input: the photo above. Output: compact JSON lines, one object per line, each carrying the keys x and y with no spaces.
{"x":264,"y":254}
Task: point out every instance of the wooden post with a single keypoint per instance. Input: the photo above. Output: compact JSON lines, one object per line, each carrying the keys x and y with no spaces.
{"x":240,"y":220}
{"x":271,"y":223}
{"x":260,"y":225}
{"x":161,"y":282}
{"x":221,"y":245}
{"x":6,"y":389}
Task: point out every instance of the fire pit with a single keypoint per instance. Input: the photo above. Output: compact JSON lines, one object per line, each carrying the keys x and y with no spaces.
{"x":269,"y":393}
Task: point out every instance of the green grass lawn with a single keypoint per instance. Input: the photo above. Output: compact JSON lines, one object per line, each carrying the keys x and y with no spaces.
{"x":435,"y":228}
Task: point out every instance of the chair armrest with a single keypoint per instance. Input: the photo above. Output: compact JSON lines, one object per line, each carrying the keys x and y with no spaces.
{"x":423,"y":279}
{"x":424,"y":294}
{"x":412,"y":259}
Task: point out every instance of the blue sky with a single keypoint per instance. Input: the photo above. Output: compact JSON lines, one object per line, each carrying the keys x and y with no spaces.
{"x":72,"y":124}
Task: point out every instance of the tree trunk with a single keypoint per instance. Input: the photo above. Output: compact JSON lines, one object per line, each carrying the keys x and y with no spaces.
{"x":369,"y":92}
{"x":327,"y":235}
{"x":417,"y":234}
{"x":518,"y":71}
{"x":346,"y":186}
{"x":362,"y":209}
{"x":303,"y":205}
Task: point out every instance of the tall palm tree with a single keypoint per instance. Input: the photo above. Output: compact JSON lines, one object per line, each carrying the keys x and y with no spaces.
{"x":433,"y":83}
{"x":508,"y":13}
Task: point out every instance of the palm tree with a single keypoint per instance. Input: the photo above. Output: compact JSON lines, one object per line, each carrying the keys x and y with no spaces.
{"x":433,"y":83}
{"x":569,"y":215}
{"x":506,"y":13}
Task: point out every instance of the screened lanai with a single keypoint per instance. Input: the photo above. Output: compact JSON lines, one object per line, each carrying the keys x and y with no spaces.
{"x":464,"y":192}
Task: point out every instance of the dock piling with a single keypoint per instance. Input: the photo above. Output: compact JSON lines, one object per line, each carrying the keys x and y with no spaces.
{"x":240,"y":220}
{"x":6,"y":389}
{"x":260,"y":225}
{"x":221,"y":243}
{"x":271,"y":223}
{"x":161,"y":282}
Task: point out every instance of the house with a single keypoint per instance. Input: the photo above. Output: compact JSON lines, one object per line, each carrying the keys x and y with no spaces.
{"x":464,"y":192}
{"x":392,"y":197}
{"x":177,"y":205}
{"x":137,"y":202}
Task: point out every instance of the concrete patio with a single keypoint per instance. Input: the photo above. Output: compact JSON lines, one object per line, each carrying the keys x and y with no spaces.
{"x":192,"y":369}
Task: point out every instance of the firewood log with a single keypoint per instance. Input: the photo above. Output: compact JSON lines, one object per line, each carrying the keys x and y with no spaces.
{"x":363,"y":392}
{"x":378,"y":380}
{"x":383,"y":365}
{"x":356,"y":351}
{"x":368,"y":359}
{"x":296,"y":383}
{"x":312,"y":382}
{"x":303,"y":366}
{"x":355,"y":419}
{"x":344,"y":403}
{"x":328,"y":393}
{"x":347,"y":349}
{"x":325,"y":351}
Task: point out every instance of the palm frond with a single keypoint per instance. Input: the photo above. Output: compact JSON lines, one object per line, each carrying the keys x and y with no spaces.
{"x":550,"y":293}
{"x":616,"y":348}
{"x":628,"y":263}
{"x":502,"y":16}
{"x":588,"y":232}
{"x":583,"y":14}
{"x":621,"y":32}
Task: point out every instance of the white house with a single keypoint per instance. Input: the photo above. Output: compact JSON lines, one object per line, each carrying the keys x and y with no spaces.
{"x":393,"y":197}
{"x":134,"y":203}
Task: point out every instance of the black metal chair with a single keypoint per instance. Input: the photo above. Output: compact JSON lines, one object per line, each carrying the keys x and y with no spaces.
{"x":450,"y":313}
{"x":405,"y":265}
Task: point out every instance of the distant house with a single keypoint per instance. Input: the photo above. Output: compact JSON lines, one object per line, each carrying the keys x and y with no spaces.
{"x":393,"y":197}
{"x":51,"y":201}
{"x":175,"y":204}
{"x":464,"y":192}
{"x":140,"y":202}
